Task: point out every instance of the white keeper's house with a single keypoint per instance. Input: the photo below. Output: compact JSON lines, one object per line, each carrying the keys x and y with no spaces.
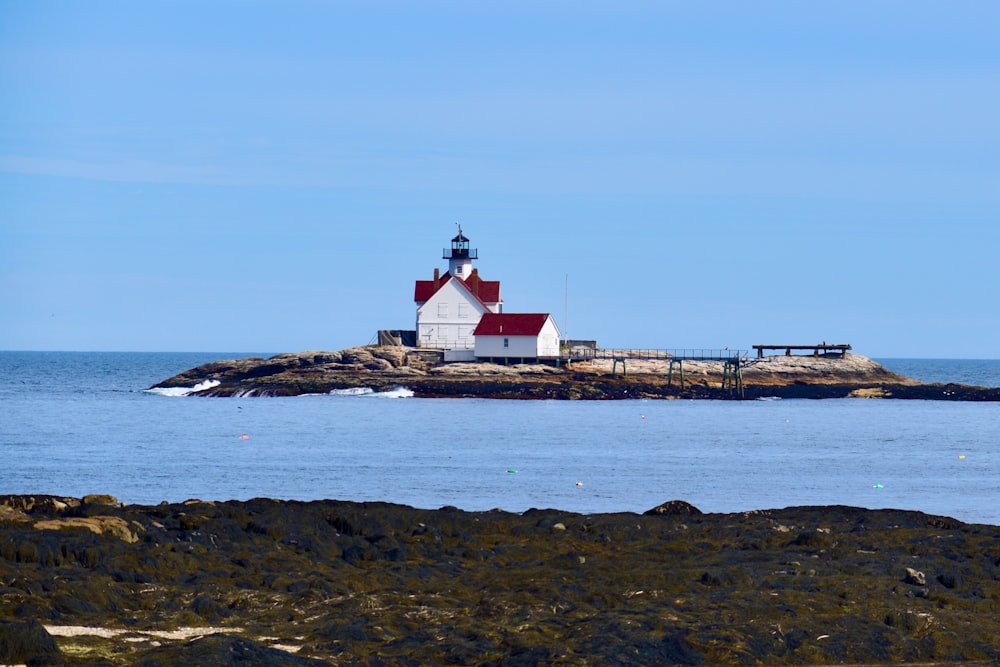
{"x":516,"y":335}
{"x":461,"y":313}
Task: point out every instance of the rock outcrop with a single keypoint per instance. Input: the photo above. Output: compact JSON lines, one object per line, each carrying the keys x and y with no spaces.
{"x":382,"y":368}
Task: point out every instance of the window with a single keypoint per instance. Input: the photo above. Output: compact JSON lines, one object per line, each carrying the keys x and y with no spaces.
{"x":458,"y":270}
{"x":463,"y":309}
{"x":506,"y":342}
{"x":442,"y":310}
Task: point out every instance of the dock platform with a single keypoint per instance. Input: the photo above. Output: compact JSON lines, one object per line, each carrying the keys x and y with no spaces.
{"x":816,"y":349}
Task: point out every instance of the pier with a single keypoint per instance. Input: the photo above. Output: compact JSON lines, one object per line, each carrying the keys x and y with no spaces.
{"x":693,"y":354}
{"x":732,"y":361}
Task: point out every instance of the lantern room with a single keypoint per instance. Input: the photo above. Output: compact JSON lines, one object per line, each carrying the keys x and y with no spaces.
{"x":460,"y":256}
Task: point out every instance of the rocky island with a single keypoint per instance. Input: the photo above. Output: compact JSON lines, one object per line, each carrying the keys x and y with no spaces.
{"x":385,"y":367}
{"x":90,"y":581}
{"x":461,"y":317}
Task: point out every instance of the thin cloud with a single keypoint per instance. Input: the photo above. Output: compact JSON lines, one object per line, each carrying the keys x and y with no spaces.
{"x":132,"y":171}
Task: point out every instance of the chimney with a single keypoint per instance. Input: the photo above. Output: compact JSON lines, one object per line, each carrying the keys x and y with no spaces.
{"x":474,"y":279}
{"x":437,"y":279}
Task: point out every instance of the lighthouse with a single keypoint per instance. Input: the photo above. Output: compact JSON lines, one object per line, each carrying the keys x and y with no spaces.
{"x":460,"y":256}
{"x":461,"y":314}
{"x":449,"y":306}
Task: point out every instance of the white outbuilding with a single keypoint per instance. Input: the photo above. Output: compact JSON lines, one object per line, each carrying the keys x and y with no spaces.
{"x":516,"y":337}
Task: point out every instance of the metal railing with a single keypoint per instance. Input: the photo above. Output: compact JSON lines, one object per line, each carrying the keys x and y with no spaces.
{"x":445,"y":344}
{"x":456,"y":253}
{"x":687,"y":354}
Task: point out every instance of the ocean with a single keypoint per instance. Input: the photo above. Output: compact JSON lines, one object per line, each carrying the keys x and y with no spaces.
{"x":78,"y":423}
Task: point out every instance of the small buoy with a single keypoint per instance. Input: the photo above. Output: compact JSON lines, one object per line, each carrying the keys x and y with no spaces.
{"x":579,"y":483}
{"x":961,"y":456}
{"x":878,"y":486}
{"x":244,"y":437}
{"x":643,"y":416}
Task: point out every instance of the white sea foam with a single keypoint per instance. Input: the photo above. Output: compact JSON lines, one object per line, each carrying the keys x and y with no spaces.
{"x":352,"y":391}
{"x":184,"y":391}
{"x":397,"y":392}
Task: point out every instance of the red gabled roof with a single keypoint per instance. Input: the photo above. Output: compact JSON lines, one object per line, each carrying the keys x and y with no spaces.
{"x":489,"y":290}
{"x":511,"y":324}
{"x":425,"y":288}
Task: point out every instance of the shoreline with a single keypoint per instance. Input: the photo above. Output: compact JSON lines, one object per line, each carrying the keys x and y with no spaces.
{"x":333,"y":582}
{"x":384,"y":368}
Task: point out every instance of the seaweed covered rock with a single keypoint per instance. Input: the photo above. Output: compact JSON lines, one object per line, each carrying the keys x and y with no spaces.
{"x":298,"y":583}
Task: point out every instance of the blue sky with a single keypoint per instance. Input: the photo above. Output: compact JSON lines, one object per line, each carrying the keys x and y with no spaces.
{"x":273,"y":176}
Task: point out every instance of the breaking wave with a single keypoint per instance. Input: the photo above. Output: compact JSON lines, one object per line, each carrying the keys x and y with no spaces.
{"x":398,"y":392}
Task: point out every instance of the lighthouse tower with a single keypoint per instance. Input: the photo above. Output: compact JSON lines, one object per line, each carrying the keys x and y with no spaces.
{"x":460,"y":256}
{"x":450,"y":306}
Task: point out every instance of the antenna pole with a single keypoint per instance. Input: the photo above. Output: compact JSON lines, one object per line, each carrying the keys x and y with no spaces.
{"x":566,"y":314}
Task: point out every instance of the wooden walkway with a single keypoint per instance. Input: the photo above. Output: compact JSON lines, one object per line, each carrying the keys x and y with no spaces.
{"x":695,"y":354}
{"x":816,"y":349}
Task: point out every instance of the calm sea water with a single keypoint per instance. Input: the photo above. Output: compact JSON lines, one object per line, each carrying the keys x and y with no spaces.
{"x":974,"y":372}
{"x":79,"y":423}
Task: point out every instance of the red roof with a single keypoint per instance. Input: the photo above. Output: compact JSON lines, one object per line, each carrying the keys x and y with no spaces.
{"x":511,"y":324}
{"x":489,"y":290}
{"x":425,"y":288}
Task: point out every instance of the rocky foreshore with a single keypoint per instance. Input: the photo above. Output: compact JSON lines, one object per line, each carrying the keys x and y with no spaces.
{"x":264,"y":582}
{"x":383,"y":368}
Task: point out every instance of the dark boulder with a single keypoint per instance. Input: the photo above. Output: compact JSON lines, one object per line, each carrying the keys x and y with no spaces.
{"x":226,"y":651}
{"x":673,"y":508}
{"x":27,"y":642}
